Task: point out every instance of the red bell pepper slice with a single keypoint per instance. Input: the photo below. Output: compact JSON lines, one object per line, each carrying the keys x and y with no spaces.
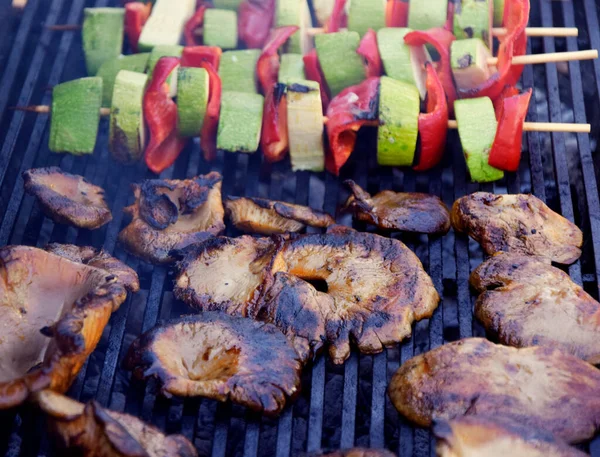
{"x":509,"y":91}
{"x":255,"y":19}
{"x":207,"y":57}
{"x":192,"y":24}
{"x":348,"y":112}
{"x":514,"y":18}
{"x":441,"y":40}
{"x":433,"y":125}
{"x":160,"y":112}
{"x":274,"y":139}
{"x":313,"y":72}
{"x":136,"y":15}
{"x":267,"y":67}
{"x":449,"y":25}
{"x":396,"y":13}
{"x":506,"y":150}
{"x":370,"y":52}
{"x":338,"y":18}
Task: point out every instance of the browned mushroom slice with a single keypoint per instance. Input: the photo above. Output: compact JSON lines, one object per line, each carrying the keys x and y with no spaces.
{"x":525,"y":301}
{"x":69,"y":301}
{"x":66,"y":198}
{"x":402,"y":211}
{"x":168,"y":215}
{"x":520,"y":224}
{"x":359,"y":452}
{"x":92,"y":431}
{"x":539,"y":387}
{"x":268,"y":217}
{"x":472,"y":436}
{"x":222,"y":357}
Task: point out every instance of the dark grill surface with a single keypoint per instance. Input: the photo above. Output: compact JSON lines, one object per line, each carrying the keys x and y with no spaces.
{"x":339,"y":406}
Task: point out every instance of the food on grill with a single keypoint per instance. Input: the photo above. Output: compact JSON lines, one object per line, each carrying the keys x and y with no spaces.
{"x":91,"y":430}
{"x":221,"y":357}
{"x":539,"y":387}
{"x":127,"y":132}
{"x":238,"y":70}
{"x":239,"y":129}
{"x":268,"y":217}
{"x":342,"y":66}
{"x":157,"y":53}
{"x":477,"y":130}
{"x":66,"y":198}
{"x":220,"y":28}
{"x":227,"y":4}
{"x":360,"y":452}
{"x":75,"y":115}
{"x":497,"y":437}
{"x":520,"y":224}
{"x":295,"y":12}
{"x":305,"y":125}
{"x":473,"y":19}
{"x":54,"y":309}
{"x":292,"y":68}
{"x":324,"y":8}
{"x":498,"y":13}
{"x":172,"y":214}
{"x":366,"y":14}
{"x":111,"y":68}
{"x":403,"y":211}
{"x":102,"y":36}
{"x":192,"y":99}
{"x":525,"y":301}
{"x":399,"y":107}
{"x":427,"y":15}
{"x":469,"y":63}
{"x":166,"y":23}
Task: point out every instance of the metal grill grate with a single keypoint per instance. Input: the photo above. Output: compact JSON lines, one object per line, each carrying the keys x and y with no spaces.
{"x":339,"y":406}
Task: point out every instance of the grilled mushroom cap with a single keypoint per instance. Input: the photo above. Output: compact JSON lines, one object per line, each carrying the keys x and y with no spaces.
{"x":540,"y":387}
{"x":359,"y":452}
{"x":521,"y":224}
{"x":525,"y":301}
{"x":168,"y":215}
{"x":268,"y":217}
{"x":402,"y":211}
{"x":66,"y":198}
{"x":222,"y":357}
{"x":92,"y":431}
{"x":497,"y":437}
{"x":54,"y":312}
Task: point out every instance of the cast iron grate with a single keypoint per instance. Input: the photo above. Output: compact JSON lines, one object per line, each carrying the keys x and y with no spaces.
{"x":339,"y":406}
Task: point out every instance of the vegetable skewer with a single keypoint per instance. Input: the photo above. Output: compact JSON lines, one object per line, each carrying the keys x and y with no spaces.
{"x":558,"y":32}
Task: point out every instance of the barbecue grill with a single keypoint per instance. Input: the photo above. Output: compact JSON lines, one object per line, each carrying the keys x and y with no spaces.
{"x":340,"y":406}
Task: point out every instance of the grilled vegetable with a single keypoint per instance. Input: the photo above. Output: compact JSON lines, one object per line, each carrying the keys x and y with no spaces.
{"x":159,"y":52}
{"x":192,"y":99}
{"x":324,"y":8}
{"x":477,"y":129}
{"x":238,"y":70}
{"x":295,"y":12}
{"x":109,"y":70}
{"x":401,"y":61}
{"x":220,"y":28}
{"x":427,"y":15}
{"x":342,"y":66}
{"x":127,"y":134}
{"x":227,"y":4}
{"x":369,"y":51}
{"x":75,"y":115}
{"x":498,"y":13}
{"x":239,"y":129}
{"x":305,"y":126}
{"x":469,"y":63}
{"x":365,"y":15}
{"x":166,"y":23}
{"x":473,"y":19}
{"x":102,"y":36}
{"x":399,"y":107}
{"x":292,"y":68}
{"x":194,"y":27}
{"x":136,"y":15}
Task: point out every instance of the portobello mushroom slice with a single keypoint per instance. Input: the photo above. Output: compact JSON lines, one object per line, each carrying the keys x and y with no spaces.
{"x":403,"y":211}
{"x":472,"y":436}
{"x":539,"y":387}
{"x":520,"y":224}
{"x":66,"y":198}
{"x":169,"y":215}
{"x":218,"y":356}
{"x":54,"y":309}
{"x":525,"y":301}
{"x":90,"y":430}
{"x":268,"y":217}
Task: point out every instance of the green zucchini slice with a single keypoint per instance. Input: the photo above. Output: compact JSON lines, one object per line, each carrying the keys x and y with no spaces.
{"x":473,"y":19}
{"x":166,"y":23}
{"x":365,"y":15}
{"x":498,"y":13}
{"x":399,"y":107}
{"x":240,"y":122}
{"x":192,"y":99}
{"x":102,"y":36}
{"x":220,"y":28}
{"x":295,"y":12}
{"x":291,"y":68}
{"x":227,"y":4}
{"x":427,"y":14}
{"x":477,"y":130}
{"x":342,"y":66}
{"x":165,"y":51}
{"x":469,"y":63}
{"x":109,"y":70}
{"x":127,"y":132}
{"x":238,"y":70}
{"x":76,"y":115}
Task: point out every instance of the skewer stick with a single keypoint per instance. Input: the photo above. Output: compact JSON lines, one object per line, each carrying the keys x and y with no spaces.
{"x":501,"y":31}
{"x":531,"y":59}
{"x":527,"y":126}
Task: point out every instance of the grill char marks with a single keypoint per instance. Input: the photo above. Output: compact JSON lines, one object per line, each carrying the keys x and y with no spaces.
{"x":520,"y":224}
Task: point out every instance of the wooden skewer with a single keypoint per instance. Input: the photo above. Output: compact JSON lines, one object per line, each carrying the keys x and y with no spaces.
{"x":501,"y":31}
{"x":527,"y":126}
{"x":531,"y":59}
